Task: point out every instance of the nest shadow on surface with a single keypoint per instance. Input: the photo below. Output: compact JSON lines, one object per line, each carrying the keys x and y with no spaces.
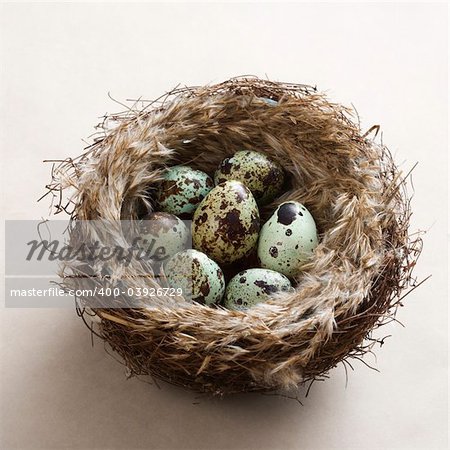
{"x":351,"y":185}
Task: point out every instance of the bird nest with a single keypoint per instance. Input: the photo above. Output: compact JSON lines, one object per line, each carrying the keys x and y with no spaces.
{"x":354,"y":283}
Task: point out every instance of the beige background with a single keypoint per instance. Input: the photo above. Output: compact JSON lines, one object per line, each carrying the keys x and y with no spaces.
{"x":58,"y":63}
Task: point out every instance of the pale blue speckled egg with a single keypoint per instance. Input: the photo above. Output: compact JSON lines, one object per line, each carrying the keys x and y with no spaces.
{"x":288,"y":239}
{"x":163,"y":235}
{"x":253,"y":286}
{"x":182,"y":190}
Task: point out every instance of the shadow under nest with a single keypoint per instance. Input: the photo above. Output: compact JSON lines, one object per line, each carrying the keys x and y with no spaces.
{"x":351,"y":185}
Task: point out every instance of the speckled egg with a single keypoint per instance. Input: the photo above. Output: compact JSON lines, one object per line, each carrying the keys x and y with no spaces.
{"x":200,"y":278}
{"x":288,"y":239}
{"x":263,"y":176}
{"x":226,"y":224}
{"x":253,"y":286}
{"x":182,"y":190}
{"x":163,"y":234}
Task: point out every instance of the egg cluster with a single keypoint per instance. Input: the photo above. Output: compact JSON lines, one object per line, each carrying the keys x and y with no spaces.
{"x":226,"y":231}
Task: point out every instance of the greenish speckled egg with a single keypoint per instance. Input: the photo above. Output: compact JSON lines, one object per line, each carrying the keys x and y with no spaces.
{"x":182,"y":190}
{"x":200,"y":278}
{"x":163,"y":234}
{"x":288,"y":239}
{"x":253,"y":286}
{"x":225,"y":226}
{"x":262,"y":175}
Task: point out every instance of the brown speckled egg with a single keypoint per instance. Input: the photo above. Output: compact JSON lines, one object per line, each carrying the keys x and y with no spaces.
{"x":262,"y":175}
{"x":163,"y":234}
{"x":199,"y":277}
{"x":225,"y":226}
{"x":182,"y":190}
